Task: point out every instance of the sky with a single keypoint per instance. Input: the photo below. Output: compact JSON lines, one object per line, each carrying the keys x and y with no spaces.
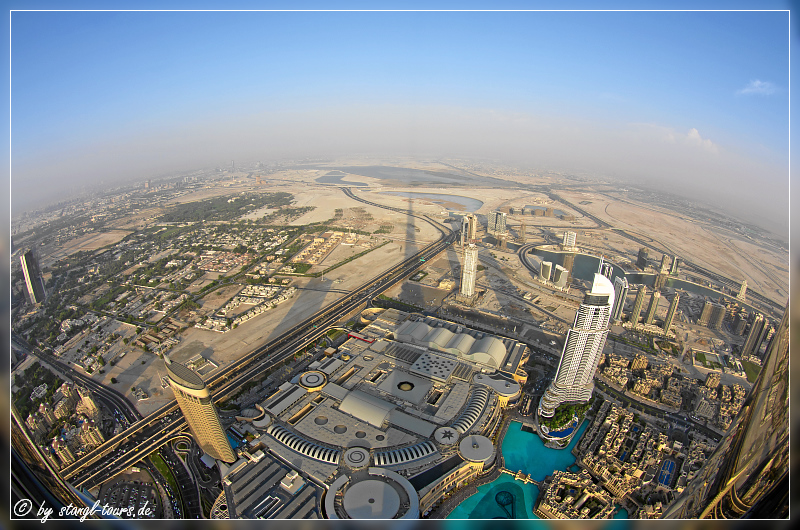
{"x":696,"y":103}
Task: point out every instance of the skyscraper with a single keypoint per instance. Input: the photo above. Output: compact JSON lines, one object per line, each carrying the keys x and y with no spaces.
{"x":752,"y":342}
{"x":742,"y":290}
{"x":664,"y":264}
{"x":717,"y":316}
{"x":637,"y":305}
{"x":469,"y":229}
{"x":33,"y":277}
{"x":497,"y":223}
{"x":763,"y":339}
{"x":620,"y":293}
{"x":740,"y":323}
{"x":569,"y":239}
{"x":573,"y":381}
{"x":747,"y":475}
{"x":641,"y":261}
{"x":705,"y":314}
{"x":194,"y":399}
{"x":560,"y":276}
{"x":651,"y":311}
{"x":469,"y":271}
{"x":472,"y":228}
{"x":607,"y":270}
{"x":546,"y":270}
{"x":675,"y":264}
{"x":568,"y":262}
{"x":673,"y":307}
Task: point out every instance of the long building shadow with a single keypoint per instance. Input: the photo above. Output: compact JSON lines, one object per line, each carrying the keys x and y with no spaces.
{"x":412,"y":293}
{"x":305,"y":303}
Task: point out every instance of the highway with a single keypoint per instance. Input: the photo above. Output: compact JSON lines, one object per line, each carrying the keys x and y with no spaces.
{"x":148,"y":434}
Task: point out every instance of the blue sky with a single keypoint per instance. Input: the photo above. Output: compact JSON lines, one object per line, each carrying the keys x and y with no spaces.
{"x":86,"y":85}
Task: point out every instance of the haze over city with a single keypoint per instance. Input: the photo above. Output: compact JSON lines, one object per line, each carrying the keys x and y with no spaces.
{"x":693,"y":103}
{"x":399,"y":264}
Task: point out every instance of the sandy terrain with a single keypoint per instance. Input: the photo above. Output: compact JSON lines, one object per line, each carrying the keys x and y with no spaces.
{"x":87,"y":242}
{"x":701,"y":243}
{"x":222,"y":348}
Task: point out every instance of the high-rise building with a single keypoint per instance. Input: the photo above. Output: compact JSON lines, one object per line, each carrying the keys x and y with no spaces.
{"x":194,"y":399}
{"x":651,"y":311}
{"x":660,"y":281}
{"x":469,"y":271}
{"x":664,"y":264}
{"x":763,"y":339}
{"x":620,"y":293}
{"x":675,"y":264}
{"x":33,"y":277}
{"x":37,"y":425}
{"x":747,"y":475}
{"x":742,"y":290}
{"x":560,"y":276}
{"x":712,"y":315}
{"x":87,"y":404}
{"x":569,"y":239}
{"x":717,"y":316}
{"x":638,"y":302}
{"x":472,"y":228}
{"x":705,"y":314}
{"x":583,"y":347}
{"x":91,"y":435}
{"x":546,"y":270}
{"x":469,"y":229}
{"x":739,"y":323}
{"x":641,"y":260}
{"x":607,"y":270}
{"x":497,"y":223}
{"x":61,"y":448}
{"x":523,"y":238}
{"x":673,"y":307}
{"x":753,"y":340}
{"x":47,"y":413}
{"x":568,"y":262}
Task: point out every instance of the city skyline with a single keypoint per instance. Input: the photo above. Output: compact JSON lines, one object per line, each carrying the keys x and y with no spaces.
{"x":353,"y":263}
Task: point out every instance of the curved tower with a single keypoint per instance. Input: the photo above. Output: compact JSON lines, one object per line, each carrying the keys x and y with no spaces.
{"x":585,"y":340}
{"x":195,"y":402}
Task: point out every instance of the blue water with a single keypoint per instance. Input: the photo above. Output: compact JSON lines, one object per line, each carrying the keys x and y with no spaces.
{"x":234,"y":442}
{"x":622,"y":513}
{"x":336,"y":178}
{"x":522,"y":451}
{"x":482,"y":505}
{"x":467,"y":204}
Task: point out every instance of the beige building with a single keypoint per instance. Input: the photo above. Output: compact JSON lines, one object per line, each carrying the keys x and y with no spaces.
{"x":194,"y":399}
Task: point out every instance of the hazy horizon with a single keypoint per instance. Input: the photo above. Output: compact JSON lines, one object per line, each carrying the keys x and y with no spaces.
{"x":693,"y":103}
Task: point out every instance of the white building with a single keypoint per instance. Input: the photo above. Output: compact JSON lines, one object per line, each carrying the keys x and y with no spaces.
{"x":573,"y":381}
{"x":546,"y":270}
{"x":496,"y":223}
{"x":620,"y":293}
{"x":570,"y":239}
{"x":470,"y":270}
